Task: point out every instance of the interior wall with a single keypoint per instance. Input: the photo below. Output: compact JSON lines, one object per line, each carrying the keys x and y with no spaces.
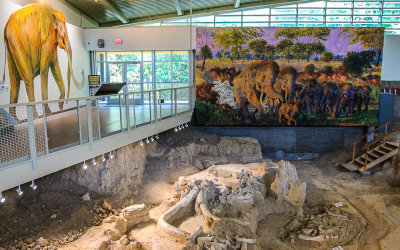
{"x":391,"y":58}
{"x":80,"y":56}
{"x":141,"y":38}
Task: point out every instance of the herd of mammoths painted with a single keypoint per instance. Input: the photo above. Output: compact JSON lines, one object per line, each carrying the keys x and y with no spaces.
{"x":267,"y":87}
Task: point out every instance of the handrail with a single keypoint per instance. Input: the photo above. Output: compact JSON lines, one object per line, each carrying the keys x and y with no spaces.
{"x":357,"y":140}
{"x":90,"y":97}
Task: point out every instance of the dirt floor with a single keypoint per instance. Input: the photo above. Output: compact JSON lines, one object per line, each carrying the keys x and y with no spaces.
{"x":56,"y":212}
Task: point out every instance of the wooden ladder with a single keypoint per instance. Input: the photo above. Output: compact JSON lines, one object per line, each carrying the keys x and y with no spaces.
{"x":376,"y":151}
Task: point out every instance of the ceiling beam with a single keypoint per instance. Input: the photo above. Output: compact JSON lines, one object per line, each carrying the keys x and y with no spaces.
{"x":237,"y":4}
{"x":76,"y":10}
{"x":202,"y":11}
{"x":178,"y":7}
{"x":118,"y":14}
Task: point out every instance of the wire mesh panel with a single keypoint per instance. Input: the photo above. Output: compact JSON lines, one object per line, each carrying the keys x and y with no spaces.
{"x":83,"y":121}
{"x":14,"y":135}
{"x":95,"y":111}
{"x":39,"y":130}
{"x":165,"y":104}
{"x":183,"y":100}
{"x":63,"y":127}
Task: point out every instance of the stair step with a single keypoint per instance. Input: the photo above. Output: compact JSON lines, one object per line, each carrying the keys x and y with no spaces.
{"x":373,"y":155}
{"x":362,"y":158}
{"x":396,"y":145}
{"x":385,"y":148}
{"x":350,"y":166}
{"x":360,"y":162}
{"x":379,"y":151}
{"x":380,"y":160}
{"x":391,"y":145}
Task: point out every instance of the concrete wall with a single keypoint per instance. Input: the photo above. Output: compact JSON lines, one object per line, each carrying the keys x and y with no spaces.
{"x":293,"y":139}
{"x":80,"y":61}
{"x":391,"y":58}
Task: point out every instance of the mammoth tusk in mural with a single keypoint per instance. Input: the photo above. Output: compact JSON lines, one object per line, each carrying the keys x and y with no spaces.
{"x":31,"y":36}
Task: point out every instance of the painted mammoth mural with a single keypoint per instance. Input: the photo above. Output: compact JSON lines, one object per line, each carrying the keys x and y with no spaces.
{"x":311,"y":93}
{"x":253,"y":82}
{"x":32,"y":35}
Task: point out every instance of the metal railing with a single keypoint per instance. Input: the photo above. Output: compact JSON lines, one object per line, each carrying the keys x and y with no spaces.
{"x":391,"y":90}
{"x":27,"y":131}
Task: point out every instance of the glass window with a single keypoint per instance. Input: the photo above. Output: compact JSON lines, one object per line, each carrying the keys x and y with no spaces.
{"x":255,"y":19}
{"x":124,"y":56}
{"x":367,"y":4}
{"x":283,"y":18}
{"x":163,"y":55}
{"x":228,"y":19}
{"x":338,"y":11}
{"x":163,"y":71}
{"x":339,"y":5}
{"x":283,"y":11}
{"x":255,"y":25}
{"x":366,"y":19}
{"x":203,"y":19}
{"x":310,"y":18}
{"x":311,"y":12}
{"x":180,"y":56}
{"x":320,"y":4}
{"x":338,"y":18}
{"x":256,"y":12}
{"x":367,"y":12}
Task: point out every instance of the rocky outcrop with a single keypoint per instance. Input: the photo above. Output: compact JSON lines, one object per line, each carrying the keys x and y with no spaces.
{"x":228,"y":149}
{"x":120,"y":175}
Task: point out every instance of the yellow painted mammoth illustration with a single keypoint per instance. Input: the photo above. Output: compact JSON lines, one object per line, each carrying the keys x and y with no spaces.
{"x":32,"y":35}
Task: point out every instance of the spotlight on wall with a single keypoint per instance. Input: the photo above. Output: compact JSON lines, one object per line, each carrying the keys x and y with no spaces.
{"x":33,"y":186}
{"x":141,"y":142}
{"x":176,"y":129}
{"x":103,"y":159}
{"x":94,"y":162}
{"x":186,"y":125}
{"x":157,"y":137}
{"x":110,"y":155}
{"x":84,"y":166}
{"x":19,"y":190}
{"x":2,"y":199}
{"x":151,"y":138}
{"x":147,"y":140}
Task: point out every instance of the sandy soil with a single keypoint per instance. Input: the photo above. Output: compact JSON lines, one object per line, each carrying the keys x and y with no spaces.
{"x":370,"y":199}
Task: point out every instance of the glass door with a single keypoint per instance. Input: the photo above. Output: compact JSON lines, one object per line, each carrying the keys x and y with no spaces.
{"x":134,"y":80}
{"x":115,"y":74}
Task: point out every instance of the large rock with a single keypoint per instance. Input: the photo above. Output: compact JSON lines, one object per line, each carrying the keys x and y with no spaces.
{"x":289,"y":190}
{"x":135,"y":215}
{"x":120,"y":176}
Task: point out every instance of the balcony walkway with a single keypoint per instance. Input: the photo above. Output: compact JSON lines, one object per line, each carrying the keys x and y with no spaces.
{"x":88,"y":128}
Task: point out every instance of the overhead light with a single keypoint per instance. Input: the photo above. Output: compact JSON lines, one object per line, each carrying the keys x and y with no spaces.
{"x":157,"y":137}
{"x":33,"y":186}
{"x":151,"y":138}
{"x":94,"y":162}
{"x":147,"y":140}
{"x":176,"y":129}
{"x":84,"y":166}
{"x":2,"y":199}
{"x":103,"y":159}
{"x":19,"y":191}
{"x":110,"y":155}
{"x":141,"y":142}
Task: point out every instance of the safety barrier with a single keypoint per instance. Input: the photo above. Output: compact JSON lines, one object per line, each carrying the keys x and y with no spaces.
{"x":31,"y":136}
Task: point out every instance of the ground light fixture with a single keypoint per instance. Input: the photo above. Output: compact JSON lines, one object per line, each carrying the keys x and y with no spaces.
{"x":2,"y":199}
{"x":147,"y":140}
{"x":179,"y":127}
{"x":103,"y":159}
{"x":176,"y":129}
{"x":84,"y":166}
{"x":186,"y":125}
{"x":94,"y":162}
{"x":157,"y":137}
{"x":141,"y":142}
{"x":19,"y":190}
{"x":151,"y":138}
{"x":33,"y":186}
{"x":110,"y":155}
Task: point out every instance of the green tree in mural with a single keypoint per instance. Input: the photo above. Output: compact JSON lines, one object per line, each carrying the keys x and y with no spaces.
{"x":233,"y":39}
{"x":327,"y":56}
{"x":270,"y":51}
{"x":311,"y":37}
{"x":369,"y":37}
{"x":356,"y":62}
{"x":284,"y":48}
{"x":258,"y":48}
{"x":205,"y":53}
{"x":299,"y":50}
